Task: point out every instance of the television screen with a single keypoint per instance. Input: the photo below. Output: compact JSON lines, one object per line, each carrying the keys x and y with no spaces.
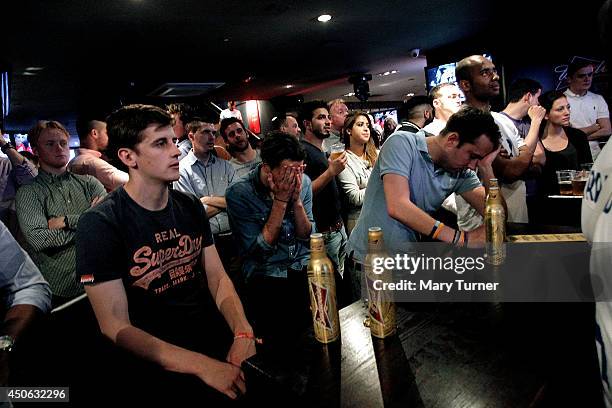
{"x":440,"y":75}
{"x":21,"y":142}
{"x":379,"y":117}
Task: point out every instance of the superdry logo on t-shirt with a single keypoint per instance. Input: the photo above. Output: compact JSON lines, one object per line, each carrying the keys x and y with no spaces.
{"x":172,"y":264}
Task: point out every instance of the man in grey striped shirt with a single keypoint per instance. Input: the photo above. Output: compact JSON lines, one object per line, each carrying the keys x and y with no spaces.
{"x":49,"y":209}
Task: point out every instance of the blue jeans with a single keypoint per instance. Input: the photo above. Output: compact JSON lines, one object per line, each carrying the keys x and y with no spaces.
{"x":335,"y":246}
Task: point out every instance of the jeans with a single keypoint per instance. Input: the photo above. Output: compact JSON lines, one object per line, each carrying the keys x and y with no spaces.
{"x":335,"y":245}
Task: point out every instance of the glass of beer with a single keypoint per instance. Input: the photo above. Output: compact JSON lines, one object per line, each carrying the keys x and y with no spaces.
{"x":336,"y":150}
{"x":564,"y":178}
{"x":579,"y":182}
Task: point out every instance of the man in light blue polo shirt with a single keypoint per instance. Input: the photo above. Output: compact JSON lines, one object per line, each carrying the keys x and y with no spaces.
{"x":415,"y":173}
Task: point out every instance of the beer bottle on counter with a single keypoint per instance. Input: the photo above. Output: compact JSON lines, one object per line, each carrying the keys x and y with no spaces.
{"x":322,"y":288}
{"x":495,"y":225}
{"x":381,"y":308}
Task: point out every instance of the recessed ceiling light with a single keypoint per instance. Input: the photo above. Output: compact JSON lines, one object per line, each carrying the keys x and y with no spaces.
{"x":28,"y":73}
{"x":349,"y":94}
{"x":288,"y":86}
{"x":324,"y":18}
{"x":226,"y":40}
{"x":410,"y":94}
{"x":34,"y":69}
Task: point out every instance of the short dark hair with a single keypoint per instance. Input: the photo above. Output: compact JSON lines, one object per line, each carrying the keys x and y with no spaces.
{"x":85,"y":124}
{"x":125,"y":126}
{"x":548,"y":98}
{"x":307,"y":110}
{"x":225,"y":123}
{"x":279,"y":146}
{"x":410,"y":109}
{"x":41,"y":125}
{"x":574,"y":66}
{"x":522,"y":86}
{"x":280,"y":120}
{"x":471,"y":123}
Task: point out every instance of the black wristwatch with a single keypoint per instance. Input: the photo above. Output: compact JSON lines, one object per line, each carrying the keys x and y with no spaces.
{"x":7,"y":146}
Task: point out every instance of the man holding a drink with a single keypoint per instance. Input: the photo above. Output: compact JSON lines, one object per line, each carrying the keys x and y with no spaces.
{"x":323,"y":171}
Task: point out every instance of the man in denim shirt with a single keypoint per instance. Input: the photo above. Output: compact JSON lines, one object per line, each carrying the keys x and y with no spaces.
{"x":270,"y":211}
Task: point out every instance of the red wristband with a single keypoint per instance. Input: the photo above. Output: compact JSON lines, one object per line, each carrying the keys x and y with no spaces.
{"x":247,"y":335}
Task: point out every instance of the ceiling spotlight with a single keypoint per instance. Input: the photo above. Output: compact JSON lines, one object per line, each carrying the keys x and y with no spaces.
{"x":288,"y":86}
{"x":410,"y":94}
{"x":349,"y":94}
{"x":34,"y":69}
{"x":29,"y":73}
{"x":324,"y":18}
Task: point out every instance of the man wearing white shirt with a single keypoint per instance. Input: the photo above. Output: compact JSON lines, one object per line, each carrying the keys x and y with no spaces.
{"x":589,"y":111}
{"x":230,"y":112}
{"x":446,"y":100}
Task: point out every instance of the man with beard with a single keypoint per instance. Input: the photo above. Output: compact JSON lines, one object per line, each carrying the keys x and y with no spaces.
{"x":245,"y":158}
{"x":89,"y":159}
{"x":478,"y":79}
{"x":323,"y":171}
{"x":415,"y":114}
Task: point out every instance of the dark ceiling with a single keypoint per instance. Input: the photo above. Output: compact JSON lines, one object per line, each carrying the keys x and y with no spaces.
{"x":103,"y":52}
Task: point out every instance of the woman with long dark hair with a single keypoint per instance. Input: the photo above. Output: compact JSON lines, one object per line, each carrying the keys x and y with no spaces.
{"x":566,"y":148}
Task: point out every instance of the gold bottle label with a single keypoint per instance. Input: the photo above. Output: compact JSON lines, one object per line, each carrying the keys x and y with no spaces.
{"x":381,"y":308}
{"x":322,"y":288}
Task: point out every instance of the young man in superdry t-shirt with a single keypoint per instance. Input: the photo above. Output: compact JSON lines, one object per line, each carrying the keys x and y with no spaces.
{"x":154,"y":278}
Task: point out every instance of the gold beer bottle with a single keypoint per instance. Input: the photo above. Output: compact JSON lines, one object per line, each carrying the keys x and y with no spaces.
{"x":322,"y":288}
{"x":381,"y":308}
{"x":495,"y":225}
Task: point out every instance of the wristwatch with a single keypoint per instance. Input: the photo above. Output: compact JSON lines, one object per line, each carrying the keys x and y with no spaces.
{"x":7,"y":343}
{"x":7,"y":146}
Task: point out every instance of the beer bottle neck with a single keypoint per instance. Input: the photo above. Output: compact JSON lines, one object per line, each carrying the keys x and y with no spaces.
{"x":376,"y":245}
{"x":317,"y":249}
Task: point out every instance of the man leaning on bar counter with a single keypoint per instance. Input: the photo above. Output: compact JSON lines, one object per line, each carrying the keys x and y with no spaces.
{"x":415,"y":173}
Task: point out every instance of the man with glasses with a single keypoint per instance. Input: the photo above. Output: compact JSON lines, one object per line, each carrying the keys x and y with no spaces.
{"x":589,"y":111}
{"x":245,"y":158}
{"x":478,"y":79}
{"x":207,"y":177}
